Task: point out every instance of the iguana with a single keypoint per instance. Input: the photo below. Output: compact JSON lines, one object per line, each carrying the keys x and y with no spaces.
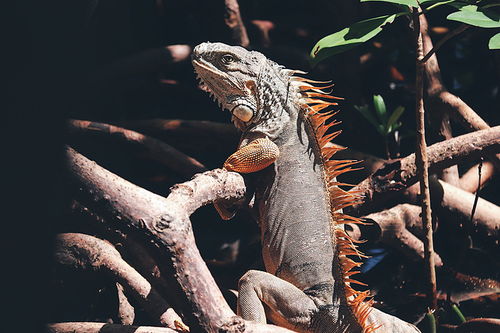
{"x":285,"y":121}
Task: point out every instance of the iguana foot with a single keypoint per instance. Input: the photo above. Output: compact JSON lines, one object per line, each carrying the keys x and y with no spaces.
{"x":257,"y":155}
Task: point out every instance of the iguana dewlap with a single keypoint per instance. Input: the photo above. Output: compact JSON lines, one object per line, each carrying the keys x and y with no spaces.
{"x":307,"y":286}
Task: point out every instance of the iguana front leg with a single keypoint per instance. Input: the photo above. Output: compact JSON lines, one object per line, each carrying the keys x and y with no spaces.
{"x":262,"y":294}
{"x":255,"y":156}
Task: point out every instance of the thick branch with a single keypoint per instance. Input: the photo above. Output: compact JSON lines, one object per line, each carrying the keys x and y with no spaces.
{"x":399,"y":227}
{"x":166,"y":221}
{"x":88,"y":327}
{"x":87,"y":252}
{"x":138,"y":254}
{"x":456,"y":205}
{"x":397,"y":175}
{"x":191,"y":136}
{"x":446,"y":102}
{"x":154,"y":148}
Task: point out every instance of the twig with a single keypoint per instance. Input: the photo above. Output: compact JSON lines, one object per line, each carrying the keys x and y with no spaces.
{"x":461,"y":28}
{"x":422,"y":168}
{"x":476,"y":198}
{"x":469,"y":180}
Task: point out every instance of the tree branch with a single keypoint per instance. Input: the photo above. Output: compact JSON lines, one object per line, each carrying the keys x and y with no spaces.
{"x":422,"y":165}
{"x":235,"y":23}
{"x":87,"y":252}
{"x":166,"y":221}
{"x":399,"y":227}
{"x":89,"y":327}
{"x":395,"y":176}
{"x":154,"y":148}
{"x":470,"y":179}
{"x":461,"y":28}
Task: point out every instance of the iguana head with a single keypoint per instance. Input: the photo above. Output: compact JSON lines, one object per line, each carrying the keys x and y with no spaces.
{"x":254,"y":89}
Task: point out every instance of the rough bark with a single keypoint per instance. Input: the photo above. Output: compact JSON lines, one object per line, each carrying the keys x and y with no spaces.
{"x":89,"y":327}
{"x":447,"y":103}
{"x":166,"y":221}
{"x":126,"y":312}
{"x":440,"y":119}
{"x":422,"y":165}
{"x":153,"y":148}
{"x":456,"y":205}
{"x":480,"y":325}
{"x":399,"y":227}
{"x":139,"y":255}
{"x":397,"y":175}
{"x":89,"y":253}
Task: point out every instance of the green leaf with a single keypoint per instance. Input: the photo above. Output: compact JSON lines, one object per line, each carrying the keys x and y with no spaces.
{"x":350,"y":37}
{"x":458,"y":313}
{"x":411,"y":3}
{"x":477,"y":17}
{"x":436,"y":3}
{"x":494,"y":43}
{"x":394,"y":118}
{"x":365,"y":111}
{"x":380,"y":109}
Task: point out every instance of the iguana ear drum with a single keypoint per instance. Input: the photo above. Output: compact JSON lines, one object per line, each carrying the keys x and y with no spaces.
{"x":243,"y":113}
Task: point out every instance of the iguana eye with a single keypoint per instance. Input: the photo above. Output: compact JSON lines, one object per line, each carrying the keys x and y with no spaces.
{"x":227,"y":59}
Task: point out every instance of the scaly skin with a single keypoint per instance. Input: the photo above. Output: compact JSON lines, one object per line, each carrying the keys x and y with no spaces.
{"x":304,"y":287}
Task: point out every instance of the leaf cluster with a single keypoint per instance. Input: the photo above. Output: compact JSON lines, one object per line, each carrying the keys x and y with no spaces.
{"x":481,"y":13}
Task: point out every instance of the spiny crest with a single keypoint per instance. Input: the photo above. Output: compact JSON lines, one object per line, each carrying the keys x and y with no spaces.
{"x":316,"y":104}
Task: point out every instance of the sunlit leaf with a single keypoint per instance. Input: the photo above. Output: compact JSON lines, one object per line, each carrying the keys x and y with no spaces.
{"x":350,"y":37}
{"x":436,"y":3}
{"x":412,"y":3}
{"x":494,"y":43}
{"x":477,"y":17}
{"x":394,"y":118}
{"x":380,"y":109}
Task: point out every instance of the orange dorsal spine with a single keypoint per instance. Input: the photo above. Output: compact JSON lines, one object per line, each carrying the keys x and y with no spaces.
{"x":316,"y":103}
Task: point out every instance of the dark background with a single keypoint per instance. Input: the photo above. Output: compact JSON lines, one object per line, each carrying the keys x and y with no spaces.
{"x":60,"y":64}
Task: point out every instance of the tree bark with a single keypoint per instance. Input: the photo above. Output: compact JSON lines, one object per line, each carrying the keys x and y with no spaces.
{"x":166,"y":221}
{"x":154,"y":148}
{"x":86,"y":252}
{"x":397,"y":175}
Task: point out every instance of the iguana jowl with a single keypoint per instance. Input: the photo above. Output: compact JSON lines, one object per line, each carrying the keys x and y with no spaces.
{"x":284,"y":120}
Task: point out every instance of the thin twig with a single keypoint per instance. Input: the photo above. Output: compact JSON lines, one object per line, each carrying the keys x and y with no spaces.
{"x":476,"y":198}
{"x":422,"y":167}
{"x":443,"y":40}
